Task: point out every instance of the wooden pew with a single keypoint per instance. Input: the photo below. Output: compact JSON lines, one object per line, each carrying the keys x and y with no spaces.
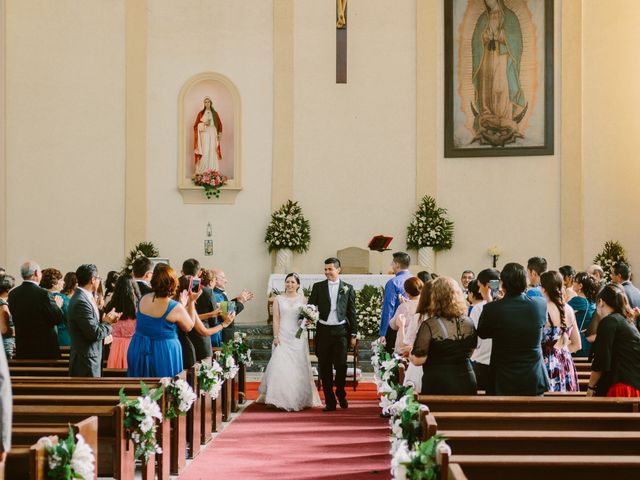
{"x":114,"y":453}
{"x":565,"y":403}
{"x":26,"y":460}
{"x":576,"y":421}
{"x":537,"y":442}
{"x":106,"y":394}
{"x":536,"y":467}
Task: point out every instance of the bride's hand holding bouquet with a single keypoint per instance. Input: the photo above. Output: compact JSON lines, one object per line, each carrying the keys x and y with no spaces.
{"x":308,"y":316}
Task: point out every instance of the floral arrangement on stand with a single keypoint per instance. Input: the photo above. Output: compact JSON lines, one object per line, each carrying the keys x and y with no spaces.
{"x":288,"y":229}
{"x":227,"y":362}
{"x":411,"y":459}
{"x":68,"y":459}
{"x":369,"y":309}
{"x":288,"y":232}
{"x":430,"y":229}
{"x":142,"y":249}
{"x":142,"y":417}
{"x":180,"y":396}
{"x":241,"y":349}
{"x":210,"y":379}
{"x":211,"y":180}
{"x":612,"y":252}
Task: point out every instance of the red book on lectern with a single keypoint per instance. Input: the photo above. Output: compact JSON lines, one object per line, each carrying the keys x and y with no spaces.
{"x":380,"y":243}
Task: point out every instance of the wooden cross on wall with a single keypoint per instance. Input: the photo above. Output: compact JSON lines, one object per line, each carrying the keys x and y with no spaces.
{"x":341,"y":41}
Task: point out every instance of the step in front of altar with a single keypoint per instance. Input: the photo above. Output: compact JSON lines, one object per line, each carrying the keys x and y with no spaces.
{"x":260,"y":338}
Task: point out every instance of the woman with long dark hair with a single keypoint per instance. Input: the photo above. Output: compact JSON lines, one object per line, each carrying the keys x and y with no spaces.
{"x":124,"y":300}
{"x":560,"y":336}
{"x":616,"y":350}
{"x":586,"y":287}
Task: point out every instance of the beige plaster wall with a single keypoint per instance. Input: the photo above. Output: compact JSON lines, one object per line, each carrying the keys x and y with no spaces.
{"x":611,"y":125}
{"x":235,"y":40}
{"x":354,"y":143}
{"x":64,"y":132}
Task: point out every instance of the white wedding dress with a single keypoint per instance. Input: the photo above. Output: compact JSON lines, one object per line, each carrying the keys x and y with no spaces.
{"x":287,"y":382}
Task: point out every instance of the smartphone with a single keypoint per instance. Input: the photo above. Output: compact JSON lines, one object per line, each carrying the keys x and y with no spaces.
{"x":194,"y":284}
{"x":494,"y":285}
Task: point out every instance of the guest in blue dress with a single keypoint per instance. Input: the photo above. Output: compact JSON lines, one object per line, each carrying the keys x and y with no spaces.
{"x":586,"y":287}
{"x":155,"y":350}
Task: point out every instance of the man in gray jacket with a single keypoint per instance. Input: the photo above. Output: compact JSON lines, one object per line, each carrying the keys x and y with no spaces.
{"x":85,"y":328}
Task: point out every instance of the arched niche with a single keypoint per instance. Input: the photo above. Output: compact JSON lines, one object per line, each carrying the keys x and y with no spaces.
{"x":226,"y":102}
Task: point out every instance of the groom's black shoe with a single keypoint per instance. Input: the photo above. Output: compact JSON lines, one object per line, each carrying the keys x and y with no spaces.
{"x":329,"y":408}
{"x":343,"y":403}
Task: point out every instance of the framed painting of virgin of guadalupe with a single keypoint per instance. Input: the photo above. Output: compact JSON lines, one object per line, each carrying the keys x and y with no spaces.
{"x":498,"y":78}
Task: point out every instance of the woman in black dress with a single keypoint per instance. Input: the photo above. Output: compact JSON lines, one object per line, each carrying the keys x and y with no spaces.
{"x":445,"y":342}
{"x":616,"y":351}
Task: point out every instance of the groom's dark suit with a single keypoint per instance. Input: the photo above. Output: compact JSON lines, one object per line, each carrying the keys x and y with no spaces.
{"x":332,"y":340}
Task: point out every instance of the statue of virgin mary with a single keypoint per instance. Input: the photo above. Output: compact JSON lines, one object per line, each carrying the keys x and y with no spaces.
{"x":207,"y":130}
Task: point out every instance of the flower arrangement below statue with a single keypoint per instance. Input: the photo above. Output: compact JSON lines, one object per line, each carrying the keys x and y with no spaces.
{"x":211,"y":180}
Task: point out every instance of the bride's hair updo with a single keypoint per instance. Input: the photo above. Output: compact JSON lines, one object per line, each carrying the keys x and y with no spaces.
{"x":294,"y":275}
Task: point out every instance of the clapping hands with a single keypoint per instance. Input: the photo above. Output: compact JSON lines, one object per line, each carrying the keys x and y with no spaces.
{"x":111,"y":317}
{"x":245,"y":296}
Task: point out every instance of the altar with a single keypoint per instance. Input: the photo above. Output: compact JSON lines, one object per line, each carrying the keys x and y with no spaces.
{"x":276,"y":280}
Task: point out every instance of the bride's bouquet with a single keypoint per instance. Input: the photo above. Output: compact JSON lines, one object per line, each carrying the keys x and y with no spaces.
{"x":308,"y":316}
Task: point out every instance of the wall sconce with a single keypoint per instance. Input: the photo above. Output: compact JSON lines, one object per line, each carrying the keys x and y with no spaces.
{"x":209,"y":229}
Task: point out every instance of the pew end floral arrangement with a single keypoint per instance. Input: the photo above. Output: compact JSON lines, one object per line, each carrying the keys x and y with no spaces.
{"x":210,"y":379}
{"x":412,"y":459}
{"x":227,"y":362}
{"x":71,"y":458}
{"x":142,"y":417}
{"x":241,"y":349}
{"x":180,"y":396}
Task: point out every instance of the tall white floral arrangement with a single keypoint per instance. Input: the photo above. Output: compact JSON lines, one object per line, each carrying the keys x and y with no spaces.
{"x":430,"y":227}
{"x":288,"y":229}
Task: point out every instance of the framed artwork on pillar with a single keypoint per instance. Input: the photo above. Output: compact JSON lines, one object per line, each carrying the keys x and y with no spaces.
{"x":209,"y":134}
{"x":498,"y":78}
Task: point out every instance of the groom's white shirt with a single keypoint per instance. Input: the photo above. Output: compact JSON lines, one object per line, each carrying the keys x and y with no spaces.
{"x":333,"y":295}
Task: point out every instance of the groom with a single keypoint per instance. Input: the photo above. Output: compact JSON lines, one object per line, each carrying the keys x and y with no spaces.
{"x":336,"y":331}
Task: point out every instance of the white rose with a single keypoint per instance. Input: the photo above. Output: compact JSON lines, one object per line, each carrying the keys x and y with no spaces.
{"x":83,"y":459}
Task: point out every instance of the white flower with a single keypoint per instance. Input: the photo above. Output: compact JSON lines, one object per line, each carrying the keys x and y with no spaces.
{"x":389,"y":364}
{"x":149,"y":407}
{"x":345,"y":289}
{"x":83,"y":459}
{"x":46,"y":441}
{"x":401,"y":455}
{"x":229,"y":362}
{"x":384,"y":403}
{"x":165,"y":381}
{"x":146,"y":424}
{"x":396,"y":429}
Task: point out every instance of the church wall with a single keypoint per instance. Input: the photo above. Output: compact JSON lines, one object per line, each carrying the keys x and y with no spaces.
{"x":513,"y":202}
{"x":64,"y":133}
{"x":354,"y":143}
{"x":233,"y":39}
{"x":611,"y":125}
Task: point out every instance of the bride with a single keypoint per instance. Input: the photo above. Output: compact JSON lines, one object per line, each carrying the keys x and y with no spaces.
{"x":287,"y":382}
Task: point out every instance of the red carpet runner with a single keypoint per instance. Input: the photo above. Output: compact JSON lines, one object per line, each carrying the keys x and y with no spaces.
{"x":267,"y":444}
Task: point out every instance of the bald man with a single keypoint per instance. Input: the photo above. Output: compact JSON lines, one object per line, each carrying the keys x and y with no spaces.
{"x":221,"y":296}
